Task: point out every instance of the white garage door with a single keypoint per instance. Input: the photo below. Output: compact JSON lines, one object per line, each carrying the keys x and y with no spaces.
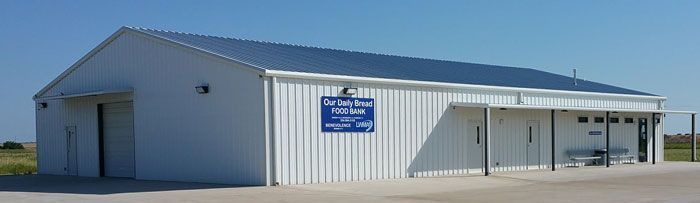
{"x":118,"y":139}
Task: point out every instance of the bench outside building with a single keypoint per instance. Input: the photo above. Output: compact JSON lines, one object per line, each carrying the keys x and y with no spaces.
{"x":581,"y":157}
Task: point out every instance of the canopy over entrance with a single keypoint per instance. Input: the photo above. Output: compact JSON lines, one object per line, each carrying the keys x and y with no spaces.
{"x":487,"y":113}
{"x":85,"y":94}
{"x":515,"y":106}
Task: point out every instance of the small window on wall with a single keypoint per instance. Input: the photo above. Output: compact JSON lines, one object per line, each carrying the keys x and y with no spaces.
{"x":599,"y":119}
{"x":614,"y":120}
{"x":582,"y":119}
{"x":629,"y":120}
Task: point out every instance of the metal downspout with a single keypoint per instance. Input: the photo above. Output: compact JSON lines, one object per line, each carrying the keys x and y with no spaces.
{"x":273,"y":155}
{"x":553,"y":142}
{"x":653,"y":138}
{"x":607,"y":139}
{"x":694,"y":155}
{"x":487,"y":141}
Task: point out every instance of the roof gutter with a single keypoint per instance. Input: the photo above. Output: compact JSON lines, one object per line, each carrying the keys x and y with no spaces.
{"x":316,"y":76}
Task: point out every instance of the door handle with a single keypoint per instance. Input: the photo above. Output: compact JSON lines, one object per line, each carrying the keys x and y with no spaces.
{"x":530,"y":136}
{"x":478,"y":136}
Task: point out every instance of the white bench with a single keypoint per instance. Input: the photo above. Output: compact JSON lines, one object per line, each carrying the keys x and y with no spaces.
{"x":622,"y":154}
{"x":581,"y":155}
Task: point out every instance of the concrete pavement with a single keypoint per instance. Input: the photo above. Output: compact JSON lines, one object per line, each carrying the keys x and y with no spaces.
{"x":664,"y":182}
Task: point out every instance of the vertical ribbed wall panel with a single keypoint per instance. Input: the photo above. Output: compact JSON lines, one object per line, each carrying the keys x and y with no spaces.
{"x":179,"y":135}
{"x":82,"y":113}
{"x":509,"y":138}
{"x":660,"y":140}
{"x":413,"y":146}
{"x":51,"y":139}
{"x":573,"y":135}
{"x":540,"y":99}
{"x":419,"y":134}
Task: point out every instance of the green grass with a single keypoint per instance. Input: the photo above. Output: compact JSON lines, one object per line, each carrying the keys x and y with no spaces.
{"x":677,"y":151}
{"x":17,"y":161}
{"x":677,"y":154}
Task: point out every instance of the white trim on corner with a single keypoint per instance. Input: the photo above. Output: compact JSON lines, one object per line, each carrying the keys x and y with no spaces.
{"x":316,"y":76}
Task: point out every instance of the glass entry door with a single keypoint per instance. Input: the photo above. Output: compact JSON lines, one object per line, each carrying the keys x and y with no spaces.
{"x":643,"y":140}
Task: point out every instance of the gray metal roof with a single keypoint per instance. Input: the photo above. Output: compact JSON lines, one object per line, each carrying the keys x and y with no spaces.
{"x":305,"y":59}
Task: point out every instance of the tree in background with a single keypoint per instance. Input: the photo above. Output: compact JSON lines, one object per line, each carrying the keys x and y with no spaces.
{"x":11,"y":145}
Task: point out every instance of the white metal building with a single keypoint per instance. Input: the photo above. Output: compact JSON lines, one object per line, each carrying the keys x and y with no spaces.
{"x":159,"y":105}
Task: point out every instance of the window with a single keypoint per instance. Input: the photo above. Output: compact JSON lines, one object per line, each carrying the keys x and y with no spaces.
{"x":599,"y":119}
{"x":629,"y":120}
{"x":582,"y":119}
{"x":614,"y":120}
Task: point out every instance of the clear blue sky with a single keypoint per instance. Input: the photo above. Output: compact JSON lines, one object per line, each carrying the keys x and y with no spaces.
{"x":652,"y":46}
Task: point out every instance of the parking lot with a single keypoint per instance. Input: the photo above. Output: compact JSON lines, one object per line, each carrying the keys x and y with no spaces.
{"x":665,"y":182}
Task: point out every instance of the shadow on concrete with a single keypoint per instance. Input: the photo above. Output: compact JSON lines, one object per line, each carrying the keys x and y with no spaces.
{"x":97,"y":186}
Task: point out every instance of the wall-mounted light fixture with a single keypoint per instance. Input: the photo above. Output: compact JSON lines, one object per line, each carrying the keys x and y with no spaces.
{"x":202,"y":89}
{"x":349,"y":91}
{"x":42,"y":105}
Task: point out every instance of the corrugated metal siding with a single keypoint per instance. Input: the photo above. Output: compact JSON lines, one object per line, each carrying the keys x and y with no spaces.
{"x":622,"y":135}
{"x":51,"y":139}
{"x":419,"y":134}
{"x":588,"y":101}
{"x":625,"y":135}
{"x":659,"y":140}
{"x":509,"y":138}
{"x":308,"y":156}
{"x":180,"y":135}
{"x":82,"y":113}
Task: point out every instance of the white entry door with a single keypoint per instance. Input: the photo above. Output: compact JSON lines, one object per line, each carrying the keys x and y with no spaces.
{"x":72,"y":151}
{"x":118,"y":139}
{"x":475,"y":148}
{"x":533,"y":144}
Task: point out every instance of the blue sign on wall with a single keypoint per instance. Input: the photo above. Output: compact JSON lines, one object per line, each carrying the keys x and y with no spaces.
{"x":595,"y":132}
{"x":347,"y":114}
